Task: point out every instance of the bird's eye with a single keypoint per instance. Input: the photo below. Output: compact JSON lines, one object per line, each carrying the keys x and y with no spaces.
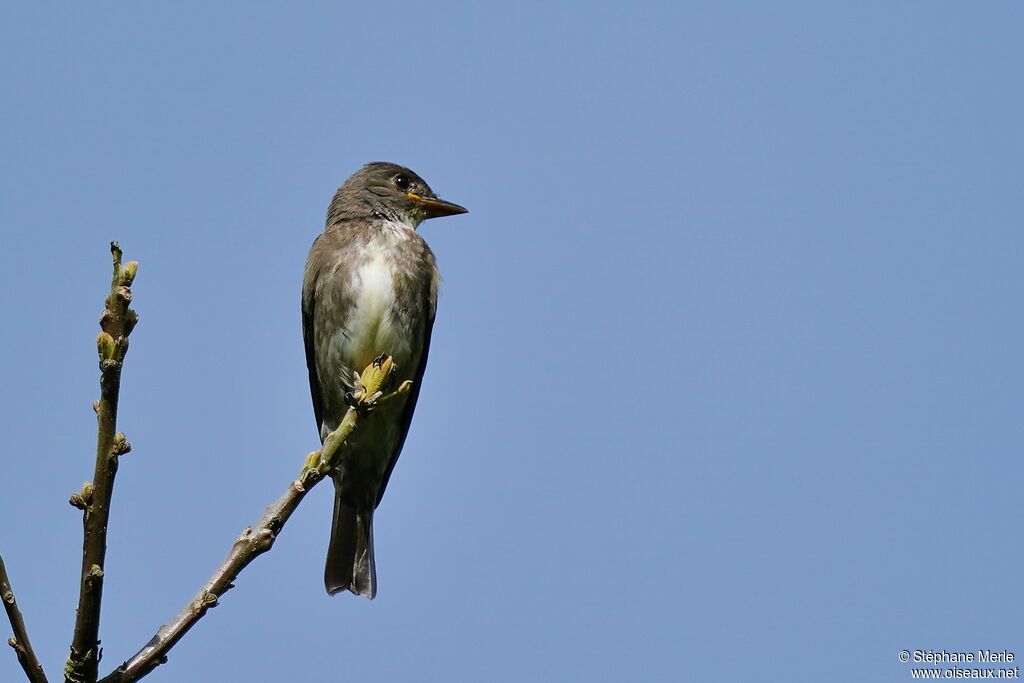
{"x":402,"y":182}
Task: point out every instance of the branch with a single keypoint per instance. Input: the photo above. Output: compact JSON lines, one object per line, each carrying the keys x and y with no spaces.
{"x":20,"y":643}
{"x":260,"y":537}
{"x":117,"y":323}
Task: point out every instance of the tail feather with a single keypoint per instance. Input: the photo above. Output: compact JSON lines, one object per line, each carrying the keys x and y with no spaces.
{"x":350,"y":563}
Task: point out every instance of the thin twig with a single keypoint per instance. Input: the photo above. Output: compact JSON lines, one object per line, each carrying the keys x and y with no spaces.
{"x":20,"y":642}
{"x":260,"y":537}
{"x":116,"y":322}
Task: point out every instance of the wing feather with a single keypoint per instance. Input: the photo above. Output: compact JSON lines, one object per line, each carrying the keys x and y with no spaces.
{"x":410,"y":404}
{"x":309,"y":284}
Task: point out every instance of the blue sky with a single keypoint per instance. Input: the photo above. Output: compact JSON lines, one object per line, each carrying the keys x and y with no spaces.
{"x":725,"y":379}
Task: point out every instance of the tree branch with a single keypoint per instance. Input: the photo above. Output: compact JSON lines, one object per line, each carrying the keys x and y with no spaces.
{"x":20,"y":643}
{"x":260,"y":537}
{"x":117,"y":322}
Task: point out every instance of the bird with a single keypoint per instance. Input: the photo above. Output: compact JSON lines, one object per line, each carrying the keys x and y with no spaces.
{"x":370,"y":287}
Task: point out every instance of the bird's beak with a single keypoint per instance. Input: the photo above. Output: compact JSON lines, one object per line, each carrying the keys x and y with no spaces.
{"x":435,"y":207}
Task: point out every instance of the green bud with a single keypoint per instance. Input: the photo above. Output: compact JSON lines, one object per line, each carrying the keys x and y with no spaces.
{"x":126,"y":274}
{"x":376,"y":375}
{"x":131,"y":319}
{"x":82,"y":499}
{"x":121,"y":445}
{"x":106,"y":346}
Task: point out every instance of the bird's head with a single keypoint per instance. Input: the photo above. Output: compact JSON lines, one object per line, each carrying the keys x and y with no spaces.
{"x":390,"y":191}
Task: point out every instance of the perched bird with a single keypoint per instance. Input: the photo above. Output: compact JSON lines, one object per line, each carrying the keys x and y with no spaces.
{"x":370,"y":287}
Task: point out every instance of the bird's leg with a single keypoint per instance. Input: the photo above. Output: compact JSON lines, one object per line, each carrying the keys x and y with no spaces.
{"x":353,"y":397}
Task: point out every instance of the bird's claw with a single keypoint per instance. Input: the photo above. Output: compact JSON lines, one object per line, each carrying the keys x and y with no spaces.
{"x":361,"y":401}
{"x":352,"y":397}
{"x":368,"y":402}
{"x":379,"y":376}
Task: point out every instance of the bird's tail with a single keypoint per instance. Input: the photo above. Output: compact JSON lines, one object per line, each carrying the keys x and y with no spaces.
{"x":350,"y":563}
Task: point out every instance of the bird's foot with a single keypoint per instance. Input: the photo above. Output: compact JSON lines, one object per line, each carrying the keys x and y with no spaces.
{"x":360,"y":401}
{"x":363,"y":402}
{"x":373,"y":383}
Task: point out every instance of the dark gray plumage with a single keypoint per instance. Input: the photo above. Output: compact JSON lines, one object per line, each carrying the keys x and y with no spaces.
{"x":370,"y":287}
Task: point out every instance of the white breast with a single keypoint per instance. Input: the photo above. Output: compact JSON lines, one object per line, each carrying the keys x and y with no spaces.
{"x":371,"y":328}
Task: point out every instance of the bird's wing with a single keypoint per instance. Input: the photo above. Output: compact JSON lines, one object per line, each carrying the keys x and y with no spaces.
{"x":309,"y":283}
{"x":410,"y":403}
